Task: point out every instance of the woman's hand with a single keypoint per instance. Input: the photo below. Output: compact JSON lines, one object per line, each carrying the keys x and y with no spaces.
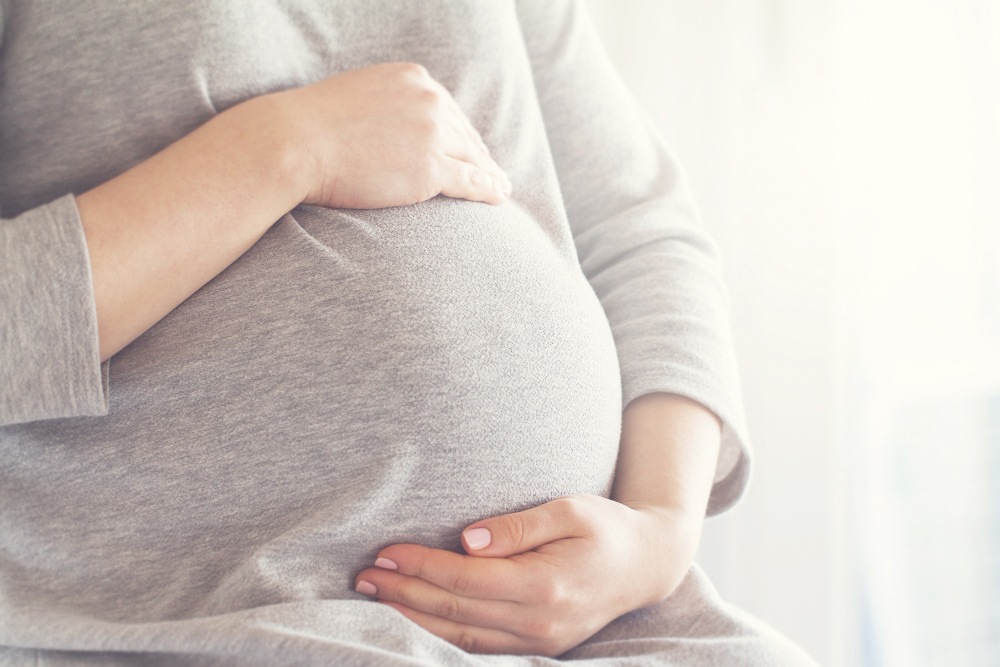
{"x":380,"y":136}
{"x":539,"y":581}
{"x":388,"y":135}
{"x":543,"y":580}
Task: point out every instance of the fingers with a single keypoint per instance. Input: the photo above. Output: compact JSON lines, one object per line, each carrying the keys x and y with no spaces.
{"x":471,"y":153}
{"x":466,"y":145}
{"x":475,"y":138}
{"x":480,"y":618}
{"x":494,"y":578}
{"x":517,"y":533}
{"x":469,"y":638}
{"x":464,"y":180}
{"x":558,"y":573}
{"x":457,"y":112}
{"x":426,"y":597}
{"x":390,"y":135}
{"x":466,"y":148}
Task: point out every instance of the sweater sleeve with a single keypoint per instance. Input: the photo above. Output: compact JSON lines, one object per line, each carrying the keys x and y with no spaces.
{"x":637,"y":232}
{"x":50,"y":363}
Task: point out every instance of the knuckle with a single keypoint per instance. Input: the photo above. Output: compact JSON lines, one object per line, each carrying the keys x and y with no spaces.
{"x":429,"y":97}
{"x":572,"y":509}
{"x":400,"y":592}
{"x":461,"y":582}
{"x":513,"y":525}
{"x":428,"y":137}
{"x":550,"y":593}
{"x":427,"y":126}
{"x":415,"y":70}
{"x":465,"y":640}
{"x":423,"y":565}
{"x":474,"y":177}
{"x":450,"y":608}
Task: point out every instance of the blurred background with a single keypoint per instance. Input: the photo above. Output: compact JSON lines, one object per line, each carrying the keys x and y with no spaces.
{"x":846,"y":155}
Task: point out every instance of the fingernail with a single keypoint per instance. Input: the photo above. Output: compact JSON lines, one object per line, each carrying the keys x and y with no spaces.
{"x":366,"y":588}
{"x":386,"y":563}
{"x":477,"y":538}
{"x":506,"y":188}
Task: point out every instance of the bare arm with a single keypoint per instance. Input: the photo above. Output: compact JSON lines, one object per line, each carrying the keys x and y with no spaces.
{"x":380,"y":136}
{"x":666,"y":466}
{"x":161,"y":230}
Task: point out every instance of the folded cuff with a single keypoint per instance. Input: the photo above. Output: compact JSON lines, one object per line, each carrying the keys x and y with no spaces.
{"x":732,"y":470}
{"x":50,"y":364}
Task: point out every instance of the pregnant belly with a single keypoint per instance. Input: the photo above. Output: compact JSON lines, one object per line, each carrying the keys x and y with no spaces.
{"x":357,"y":379}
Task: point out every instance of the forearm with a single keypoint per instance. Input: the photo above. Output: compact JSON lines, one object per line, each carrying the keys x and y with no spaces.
{"x":161,"y":230}
{"x":668,"y":453}
{"x":379,"y":136}
{"x":666,"y":466}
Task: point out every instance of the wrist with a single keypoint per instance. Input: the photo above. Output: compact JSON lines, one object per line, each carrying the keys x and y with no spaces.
{"x":670,"y":538}
{"x":669,"y":522}
{"x":267,"y":125}
{"x":667,"y":454}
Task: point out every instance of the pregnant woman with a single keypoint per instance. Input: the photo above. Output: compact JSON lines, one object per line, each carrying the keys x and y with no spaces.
{"x":292,"y":372}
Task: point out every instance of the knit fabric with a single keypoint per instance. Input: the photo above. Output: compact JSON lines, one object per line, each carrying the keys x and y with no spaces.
{"x":357,"y":378}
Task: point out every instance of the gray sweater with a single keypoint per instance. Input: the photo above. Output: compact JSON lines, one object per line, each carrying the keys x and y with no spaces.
{"x":357,"y":378}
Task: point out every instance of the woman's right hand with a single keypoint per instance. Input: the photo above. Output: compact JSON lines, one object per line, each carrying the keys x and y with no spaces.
{"x":388,"y":135}
{"x":381,"y":136}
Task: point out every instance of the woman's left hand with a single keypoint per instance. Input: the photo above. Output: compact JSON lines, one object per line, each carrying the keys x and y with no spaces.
{"x":539,"y":581}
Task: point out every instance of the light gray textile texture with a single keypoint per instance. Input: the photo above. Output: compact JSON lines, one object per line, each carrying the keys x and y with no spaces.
{"x":692,"y":627}
{"x":358,"y":378}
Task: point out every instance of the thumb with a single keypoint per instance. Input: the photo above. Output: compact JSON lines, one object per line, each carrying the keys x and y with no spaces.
{"x":516,"y":533}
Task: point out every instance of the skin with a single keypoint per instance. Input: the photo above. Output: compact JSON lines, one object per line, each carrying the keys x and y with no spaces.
{"x":386,"y":135}
{"x":381,"y":136}
{"x":553,"y":575}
